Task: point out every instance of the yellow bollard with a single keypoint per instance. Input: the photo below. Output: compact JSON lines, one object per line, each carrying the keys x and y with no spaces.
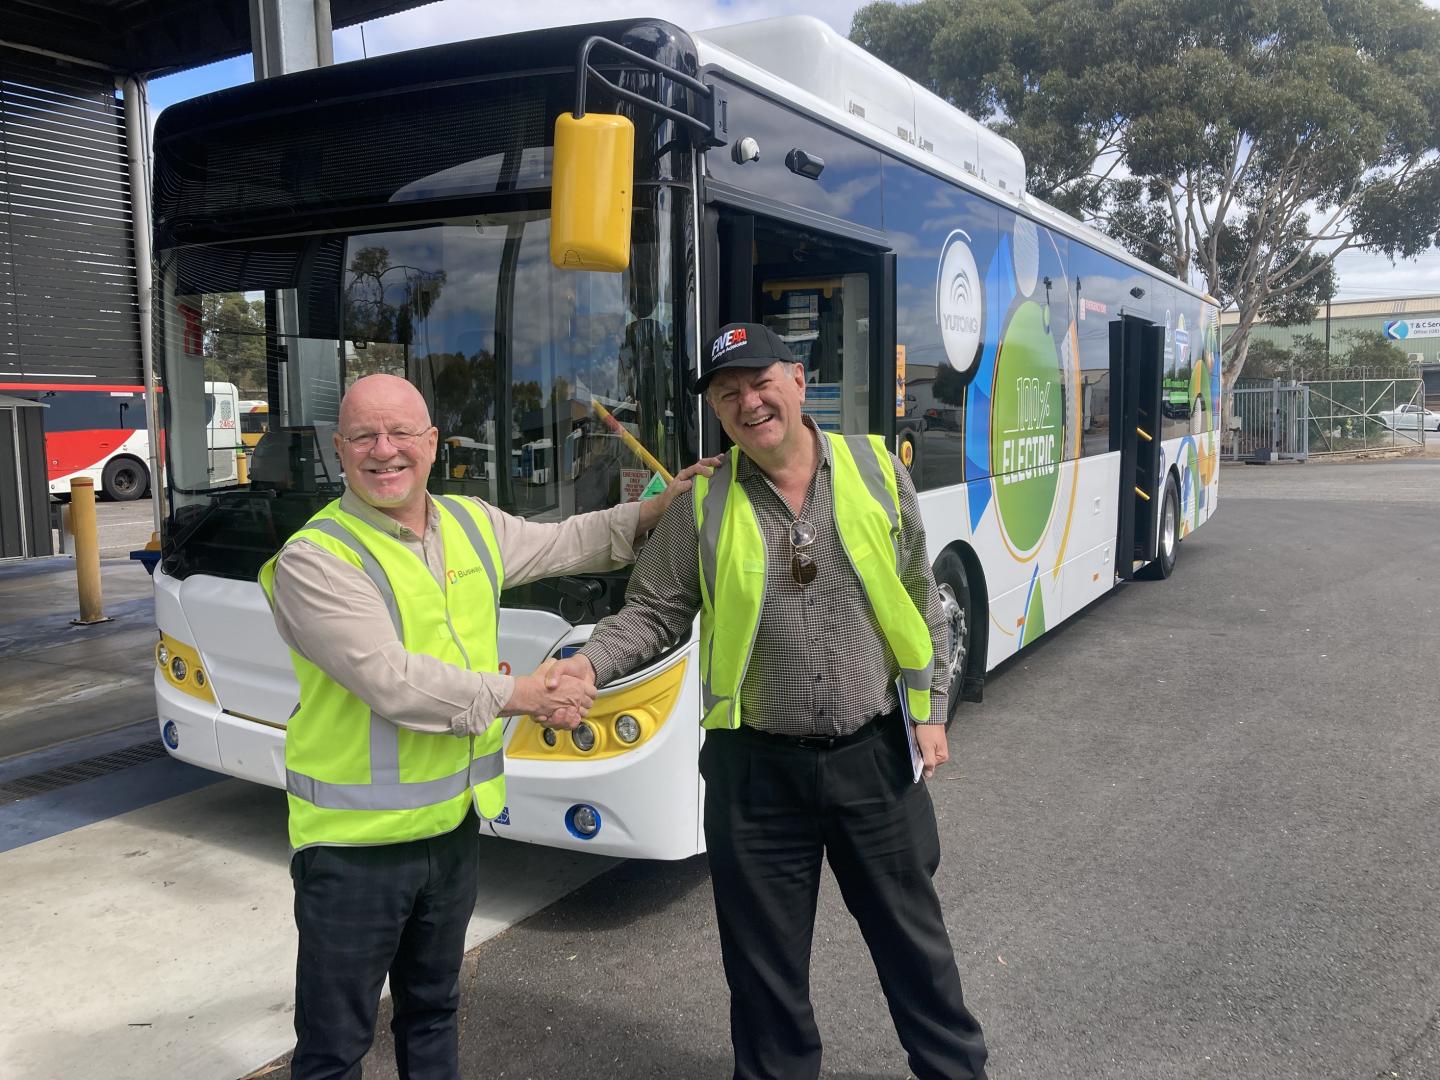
{"x":87,"y":550}
{"x":242,"y":467}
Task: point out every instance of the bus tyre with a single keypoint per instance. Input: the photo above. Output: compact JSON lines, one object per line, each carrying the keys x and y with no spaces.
{"x":955,"y":603}
{"x":1167,"y":545}
{"x":125,"y":479}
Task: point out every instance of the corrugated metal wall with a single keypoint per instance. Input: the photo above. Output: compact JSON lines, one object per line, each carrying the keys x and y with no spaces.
{"x":1367,"y":315}
{"x":69,"y":310}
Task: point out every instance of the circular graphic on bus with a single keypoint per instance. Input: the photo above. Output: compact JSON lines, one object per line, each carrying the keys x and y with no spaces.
{"x":1027,"y":422}
{"x":959,"y":303}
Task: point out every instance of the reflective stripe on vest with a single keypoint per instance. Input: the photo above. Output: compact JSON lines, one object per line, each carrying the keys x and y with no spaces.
{"x":732,"y":548}
{"x":352,"y":790}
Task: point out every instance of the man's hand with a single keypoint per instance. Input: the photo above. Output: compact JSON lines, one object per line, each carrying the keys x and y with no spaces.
{"x":933,"y":746}
{"x":576,"y":667}
{"x":556,"y":700}
{"x":651,"y":510}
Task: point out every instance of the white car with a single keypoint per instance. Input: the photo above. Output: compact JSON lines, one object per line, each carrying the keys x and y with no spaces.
{"x":1409,"y":418}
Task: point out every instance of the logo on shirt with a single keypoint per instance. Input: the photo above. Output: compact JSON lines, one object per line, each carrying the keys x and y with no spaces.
{"x":456,"y":575}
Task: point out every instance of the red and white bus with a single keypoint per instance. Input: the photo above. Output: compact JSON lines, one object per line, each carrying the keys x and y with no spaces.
{"x":99,"y":431}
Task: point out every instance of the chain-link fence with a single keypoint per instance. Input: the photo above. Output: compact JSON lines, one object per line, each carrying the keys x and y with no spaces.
{"x":1349,"y":415}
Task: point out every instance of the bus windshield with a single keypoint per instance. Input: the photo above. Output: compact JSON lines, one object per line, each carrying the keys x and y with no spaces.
{"x":518,"y":361}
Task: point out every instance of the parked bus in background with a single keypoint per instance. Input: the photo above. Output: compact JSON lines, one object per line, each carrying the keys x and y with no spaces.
{"x":254,"y":421}
{"x":1023,"y":367}
{"x":98,"y":432}
{"x":101,"y":433}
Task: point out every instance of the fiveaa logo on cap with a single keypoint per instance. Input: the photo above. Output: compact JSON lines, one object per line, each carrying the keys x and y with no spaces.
{"x":731,"y":339}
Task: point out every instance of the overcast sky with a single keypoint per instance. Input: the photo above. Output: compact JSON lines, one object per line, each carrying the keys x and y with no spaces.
{"x":1360,"y":276}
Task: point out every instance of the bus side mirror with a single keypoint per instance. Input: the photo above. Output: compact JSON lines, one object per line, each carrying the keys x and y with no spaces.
{"x":594,"y":173}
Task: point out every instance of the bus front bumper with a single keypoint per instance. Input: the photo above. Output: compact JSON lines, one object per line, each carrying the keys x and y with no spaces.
{"x":200,"y":733}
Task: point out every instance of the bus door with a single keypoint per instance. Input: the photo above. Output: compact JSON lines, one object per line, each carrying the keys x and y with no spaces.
{"x":831,"y":300}
{"x":1137,"y":350}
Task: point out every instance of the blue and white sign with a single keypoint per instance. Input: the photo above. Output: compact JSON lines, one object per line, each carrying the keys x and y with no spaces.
{"x":1403,"y":329}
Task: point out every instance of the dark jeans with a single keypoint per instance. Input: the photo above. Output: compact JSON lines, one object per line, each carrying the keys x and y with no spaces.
{"x":772,"y":811}
{"x":363,"y":913}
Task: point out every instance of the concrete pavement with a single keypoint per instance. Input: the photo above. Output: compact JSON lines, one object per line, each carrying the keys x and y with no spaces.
{"x":147,"y":930}
{"x":59,"y":681}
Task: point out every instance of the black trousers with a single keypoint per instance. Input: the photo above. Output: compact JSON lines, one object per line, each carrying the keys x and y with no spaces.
{"x":367,"y":912}
{"x":772,"y":809}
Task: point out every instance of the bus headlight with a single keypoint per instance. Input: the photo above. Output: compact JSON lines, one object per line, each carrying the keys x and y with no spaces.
{"x":620,"y":721}
{"x":583,"y":821}
{"x":182,"y":668}
{"x":627,"y":728}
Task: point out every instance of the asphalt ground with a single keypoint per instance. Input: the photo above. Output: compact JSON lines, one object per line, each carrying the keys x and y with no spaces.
{"x":1190,"y":834}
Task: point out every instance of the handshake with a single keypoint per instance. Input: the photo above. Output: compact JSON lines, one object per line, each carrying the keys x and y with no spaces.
{"x":558,"y":693}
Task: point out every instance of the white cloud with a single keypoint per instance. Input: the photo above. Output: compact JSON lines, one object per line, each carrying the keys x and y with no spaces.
{"x":1361,"y":276}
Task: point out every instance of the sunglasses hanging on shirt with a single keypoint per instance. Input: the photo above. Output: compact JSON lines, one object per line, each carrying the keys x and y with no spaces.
{"x":802,"y":566}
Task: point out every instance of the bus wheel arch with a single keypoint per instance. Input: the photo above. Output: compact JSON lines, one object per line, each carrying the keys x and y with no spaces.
{"x":125,"y":478}
{"x":1167,"y":543}
{"x":965,"y":601}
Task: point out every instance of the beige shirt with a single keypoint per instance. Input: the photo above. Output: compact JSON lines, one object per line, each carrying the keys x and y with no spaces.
{"x":329,"y":612}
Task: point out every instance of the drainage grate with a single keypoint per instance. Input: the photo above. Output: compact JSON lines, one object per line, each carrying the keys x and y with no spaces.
{"x":79,"y":771}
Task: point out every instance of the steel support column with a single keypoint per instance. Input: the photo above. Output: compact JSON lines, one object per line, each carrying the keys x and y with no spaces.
{"x":137,"y":145}
{"x":290,"y":35}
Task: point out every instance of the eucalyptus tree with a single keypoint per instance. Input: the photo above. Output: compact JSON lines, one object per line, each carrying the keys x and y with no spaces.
{"x":1249,"y":142}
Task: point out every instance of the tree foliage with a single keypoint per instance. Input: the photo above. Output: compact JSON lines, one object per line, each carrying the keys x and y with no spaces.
{"x":234,"y":343}
{"x":1352,"y":354}
{"x":1252,"y":143}
{"x":384,"y":302}
{"x":949,"y":385}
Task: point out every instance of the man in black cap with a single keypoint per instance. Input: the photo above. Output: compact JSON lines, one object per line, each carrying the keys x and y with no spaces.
{"x":822,"y":642}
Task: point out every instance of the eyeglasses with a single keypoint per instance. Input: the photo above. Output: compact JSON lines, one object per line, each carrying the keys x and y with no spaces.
{"x":802,"y":566}
{"x":401,"y":440}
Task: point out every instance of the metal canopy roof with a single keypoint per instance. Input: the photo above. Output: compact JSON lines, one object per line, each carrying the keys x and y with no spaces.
{"x":154,"y":37}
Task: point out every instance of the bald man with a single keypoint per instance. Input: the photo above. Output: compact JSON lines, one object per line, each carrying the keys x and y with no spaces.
{"x":388,"y":599}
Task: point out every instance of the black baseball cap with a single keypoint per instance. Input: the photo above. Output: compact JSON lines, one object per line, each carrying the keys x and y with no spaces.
{"x":742,"y":345}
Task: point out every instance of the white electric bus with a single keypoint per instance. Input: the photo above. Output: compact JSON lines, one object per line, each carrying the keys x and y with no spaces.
{"x":1053,"y":397}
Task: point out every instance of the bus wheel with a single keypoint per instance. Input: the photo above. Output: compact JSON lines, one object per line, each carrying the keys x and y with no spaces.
{"x":124,"y":479}
{"x":955,"y":602}
{"x":1164,"y":564}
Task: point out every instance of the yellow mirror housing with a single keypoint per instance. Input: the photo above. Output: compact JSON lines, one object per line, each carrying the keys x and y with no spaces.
{"x":592,"y":192}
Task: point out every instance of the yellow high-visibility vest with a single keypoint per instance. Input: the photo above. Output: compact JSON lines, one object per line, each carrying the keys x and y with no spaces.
{"x":732,"y":573}
{"x":351,"y":776}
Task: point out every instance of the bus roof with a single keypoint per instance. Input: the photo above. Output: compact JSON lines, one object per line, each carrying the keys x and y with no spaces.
{"x":800,"y":59}
{"x":794,"y":59}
